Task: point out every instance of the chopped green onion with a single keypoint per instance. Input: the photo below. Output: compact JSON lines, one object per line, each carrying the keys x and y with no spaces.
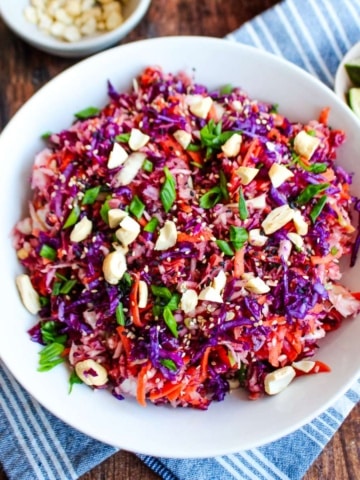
{"x":60,"y":277}
{"x":73,"y":380}
{"x":50,"y":334}
{"x":173,"y":303}
{"x":242,"y":374}
{"x":90,"y":195}
{"x":274,"y":108}
{"x":50,"y":357}
{"x":310,"y":191}
{"x":225,"y":247}
{"x":334,"y":250}
{"x":87,"y":113}
{"x":123,"y":137}
{"x":44,"y":301}
{"x":213,"y":138}
{"x":126,"y":279}
{"x":56,"y":289}
{"x":226,"y":89}
{"x":161,"y":292}
{"x":151,"y":225}
{"x":68,"y":286}
{"x":148,"y":166}
{"x":317,"y":208}
{"x":211,"y":198}
{"x":318,"y":167}
{"x":120,"y":316}
{"x":169,"y":364}
{"x":312,"y":133}
{"x":243,"y":211}
{"x":170,"y":321}
{"x":46,"y":135}
{"x":47,"y":252}
{"x":238,"y":236}
{"x":73,"y":217}
{"x":104,"y":210}
{"x":168,"y":190}
{"x":192,"y":147}
{"x":136,"y":207}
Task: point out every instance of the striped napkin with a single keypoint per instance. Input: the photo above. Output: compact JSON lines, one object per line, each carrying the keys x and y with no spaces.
{"x":314,"y":34}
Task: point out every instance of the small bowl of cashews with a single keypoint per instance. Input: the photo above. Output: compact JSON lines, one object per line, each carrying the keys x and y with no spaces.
{"x":72,"y":28}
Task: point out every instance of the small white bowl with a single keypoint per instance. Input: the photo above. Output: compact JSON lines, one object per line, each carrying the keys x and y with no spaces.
{"x":13,"y":15}
{"x":342,"y":80}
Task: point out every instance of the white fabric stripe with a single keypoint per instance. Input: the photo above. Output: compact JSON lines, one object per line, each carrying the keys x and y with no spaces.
{"x":19,"y":434}
{"x":47,"y":448}
{"x":338,"y":24}
{"x":354,"y":13}
{"x":344,"y":406}
{"x":327,"y":30}
{"x":356,"y":387}
{"x":319,"y":432}
{"x":254,"y":36}
{"x":314,"y":439}
{"x":294,"y":40}
{"x":242,"y":466}
{"x":221,"y":461}
{"x":256,"y":465}
{"x":59,"y":448}
{"x":256,"y":452}
{"x":269,"y":37}
{"x":32,"y":440}
{"x":310,"y":41}
{"x":326,"y":425}
{"x":334,"y":419}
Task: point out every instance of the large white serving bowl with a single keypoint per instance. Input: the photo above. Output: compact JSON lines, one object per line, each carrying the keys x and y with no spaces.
{"x":236,"y":423}
{"x":13,"y":15}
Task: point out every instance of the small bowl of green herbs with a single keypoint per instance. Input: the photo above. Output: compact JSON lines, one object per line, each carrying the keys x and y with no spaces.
{"x":347,"y":79}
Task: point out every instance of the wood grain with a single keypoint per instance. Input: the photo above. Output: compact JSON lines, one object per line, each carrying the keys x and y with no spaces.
{"x":23,"y":70}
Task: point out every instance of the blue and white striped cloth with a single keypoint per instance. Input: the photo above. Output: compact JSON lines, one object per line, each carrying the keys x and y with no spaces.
{"x":314,"y":34}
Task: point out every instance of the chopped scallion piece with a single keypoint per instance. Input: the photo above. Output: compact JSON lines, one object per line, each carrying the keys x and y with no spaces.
{"x":47,"y":252}
{"x":151,"y":225}
{"x":243,"y":211}
{"x":211,"y":198}
{"x":169,"y":364}
{"x":168,"y":190}
{"x":104,"y":210}
{"x":238,"y":236}
{"x":73,"y":380}
{"x":162,"y":292}
{"x":46,"y":135}
{"x":226,"y":89}
{"x":170,"y":321}
{"x":225,"y":247}
{"x":122,"y":137}
{"x":136,"y":207}
{"x":56,"y":289}
{"x":68,"y":286}
{"x":87,"y":113}
{"x":73,"y":217}
{"x":310,"y":191}
{"x":120,"y":315}
{"x":148,"y":166}
{"x":317,"y":208}
{"x":50,"y":356}
{"x":223,"y":185}
{"x":90,"y":195}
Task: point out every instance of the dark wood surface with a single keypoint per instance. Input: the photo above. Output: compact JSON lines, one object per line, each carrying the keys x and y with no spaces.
{"x":23,"y":70}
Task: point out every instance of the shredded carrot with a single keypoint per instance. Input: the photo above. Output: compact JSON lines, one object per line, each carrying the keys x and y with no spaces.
{"x":199,"y":237}
{"x":204,"y":364}
{"x":141,"y":385}
{"x":196,"y":157}
{"x":252,"y":151}
{"x":328,"y":175}
{"x":239,"y":266}
{"x":134,"y":308}
{"x":169,"y":389}
{"x":324,"y":115}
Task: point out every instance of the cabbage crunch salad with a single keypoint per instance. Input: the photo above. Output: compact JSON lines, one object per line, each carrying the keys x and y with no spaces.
{"x":181,"y":243}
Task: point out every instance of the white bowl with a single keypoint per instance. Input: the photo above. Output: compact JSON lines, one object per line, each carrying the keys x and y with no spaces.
{"x":13,"y":15}
{"x":342,"y":80}
{"x":227,"y":426}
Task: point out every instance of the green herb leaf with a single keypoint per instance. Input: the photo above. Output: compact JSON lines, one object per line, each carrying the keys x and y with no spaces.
{"x":47,"y":252}
{"x":211,"y":198}
{"x":223,"y":186}
{"x":73,"y":380}
{"x":168,"y":190}
{"x":169,"y":364}
{"x":122,"y":137}
{"x":243,"y":211}
{"x":170,"y":321}
{"x":90,"y":195}
{"x":148,"y":166}
{"x":317,"y":208}
{"x":225,"y":247}
{"x":73,"y":217}
{"x":50,"y":357}
{"x":87,"y":113}
{"x":310,"y":191}
{"x":120,"y":315}
{"x":238,"y":236}
{"x":151,"y":225}
{"x":136,"y":207}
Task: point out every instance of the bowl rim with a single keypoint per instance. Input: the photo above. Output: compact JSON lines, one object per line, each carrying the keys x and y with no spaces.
{"x":52,"y":44}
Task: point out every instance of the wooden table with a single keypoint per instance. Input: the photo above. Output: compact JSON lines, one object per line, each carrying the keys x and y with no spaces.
{"x":23,"y":70}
